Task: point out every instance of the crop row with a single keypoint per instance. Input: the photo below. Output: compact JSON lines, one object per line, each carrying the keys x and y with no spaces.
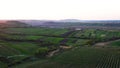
{"x":109,"y":61}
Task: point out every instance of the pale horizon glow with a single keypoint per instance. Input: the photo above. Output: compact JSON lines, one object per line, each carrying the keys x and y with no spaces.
{"x":60,"y":9}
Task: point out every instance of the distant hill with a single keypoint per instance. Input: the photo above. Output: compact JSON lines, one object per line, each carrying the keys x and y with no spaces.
{"x":66,"y":23}
{"x":70,"y":20}
{"x":11,"y":23}
{"x":49,"y":22}
{"x":35,"y":22}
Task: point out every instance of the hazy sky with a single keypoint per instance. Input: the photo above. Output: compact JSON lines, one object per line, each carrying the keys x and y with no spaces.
{"x":60,"y":9}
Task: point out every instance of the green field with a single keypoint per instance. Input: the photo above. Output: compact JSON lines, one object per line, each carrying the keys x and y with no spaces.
{"x":18,"y":44}
{"x":115,"y":43}
{"x":99,"y":35}
{"x":80,"y":57}
{"x":36,"y":31}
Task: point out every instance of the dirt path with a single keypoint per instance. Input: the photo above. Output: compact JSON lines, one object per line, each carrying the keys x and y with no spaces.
{"x":100,"y":44}
{"x":50,"y":54}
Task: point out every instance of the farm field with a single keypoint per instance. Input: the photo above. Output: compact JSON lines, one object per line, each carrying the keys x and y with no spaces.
{"x":115,"y":43}
{"x":30,"y":48}
{"x":7,"y":50}
{"x":80,"y":57}
{"x":36,"y":31}
{"x":100,"y":35}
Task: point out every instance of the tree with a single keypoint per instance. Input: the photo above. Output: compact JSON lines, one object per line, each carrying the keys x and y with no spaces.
{"x":90,"y":42}
{"x":42,"y":52}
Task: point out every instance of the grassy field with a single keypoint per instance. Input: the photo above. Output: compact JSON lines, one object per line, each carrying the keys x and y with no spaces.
{"x":36,"y":31}
{"x":19,"y":43}
{"x":24,"y":47}
{"x":14,"y":48}
{"x":115,"y":43}
{"x":80,"y":57}
{"x":6,"y":50}
{"x":99,"y":35}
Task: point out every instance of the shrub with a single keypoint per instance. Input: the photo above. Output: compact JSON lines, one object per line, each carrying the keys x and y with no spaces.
{"x":90,"y":42}
{"x":41,"y":52}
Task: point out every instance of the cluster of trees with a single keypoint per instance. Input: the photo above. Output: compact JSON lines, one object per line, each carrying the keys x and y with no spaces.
{"x":41,"y":52}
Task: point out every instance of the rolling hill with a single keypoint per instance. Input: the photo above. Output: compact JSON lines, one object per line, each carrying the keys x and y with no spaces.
{"x":13,"y":23}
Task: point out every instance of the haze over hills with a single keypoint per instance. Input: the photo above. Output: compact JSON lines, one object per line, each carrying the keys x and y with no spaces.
{"x":35,"y":22}
{"x":72,"y":23}
{"x":70,"y":20}
{"x":3,"y":21}
{"x":65,"y":23}
{"x":12,"y":23}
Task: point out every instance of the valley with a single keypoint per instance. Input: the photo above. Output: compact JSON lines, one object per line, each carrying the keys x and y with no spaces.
{"x":70,"y":47}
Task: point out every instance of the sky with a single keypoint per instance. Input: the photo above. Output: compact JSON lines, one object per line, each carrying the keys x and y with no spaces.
{"x":60,"y":9}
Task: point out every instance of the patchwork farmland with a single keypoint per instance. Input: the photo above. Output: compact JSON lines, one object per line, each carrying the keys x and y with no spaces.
{"x":29,"y":48}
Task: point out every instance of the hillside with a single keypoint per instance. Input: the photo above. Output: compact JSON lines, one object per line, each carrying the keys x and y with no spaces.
{"x":80,"y":57}
{"x":13,"y":24}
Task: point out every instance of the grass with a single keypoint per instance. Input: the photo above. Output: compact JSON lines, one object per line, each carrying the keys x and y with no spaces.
{"x":80,"y":57}
{"x":115,"y":43}
{"x":6,"y":50}
{"x":97,"y":34}
{"x":28,"y":37}
{"x":36,"y":31}
{"x":81,"y":42}
{"x":24,"y":47}
{"x":17,"y":48}
{"x":53,"y":40}
{"x":77,"y":57}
